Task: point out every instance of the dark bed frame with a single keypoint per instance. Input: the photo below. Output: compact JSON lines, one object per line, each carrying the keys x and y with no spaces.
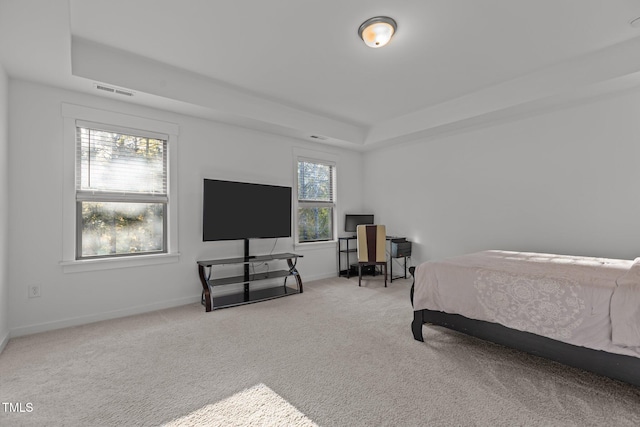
{"x":616,"y":366}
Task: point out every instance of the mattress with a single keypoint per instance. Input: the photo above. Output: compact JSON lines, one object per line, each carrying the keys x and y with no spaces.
{"x":566,"y":298}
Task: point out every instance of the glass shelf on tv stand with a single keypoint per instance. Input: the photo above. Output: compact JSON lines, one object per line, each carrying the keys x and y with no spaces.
{"x":248,"y":296}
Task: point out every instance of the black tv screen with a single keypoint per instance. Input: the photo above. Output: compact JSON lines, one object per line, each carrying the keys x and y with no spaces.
{"x":351,"y":221}
{"x":240,"y":210}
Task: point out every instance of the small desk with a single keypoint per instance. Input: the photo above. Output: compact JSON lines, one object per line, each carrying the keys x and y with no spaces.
{"x":345,"y":250}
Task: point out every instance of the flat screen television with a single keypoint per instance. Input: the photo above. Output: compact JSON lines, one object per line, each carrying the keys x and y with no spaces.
{"x":351,"y":221}
{"x":240,"y":210}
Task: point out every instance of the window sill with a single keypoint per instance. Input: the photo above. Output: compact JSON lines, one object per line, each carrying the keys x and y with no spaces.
{"x":77,"y":266}
{"x":316,"y":245}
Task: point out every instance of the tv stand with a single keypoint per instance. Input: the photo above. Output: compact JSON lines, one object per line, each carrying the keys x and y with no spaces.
{"x":248,"y":296}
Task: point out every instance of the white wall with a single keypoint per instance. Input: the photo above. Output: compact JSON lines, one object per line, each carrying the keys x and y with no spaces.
{"x":205,"y":149}
{"x":4,"y":208}
{"x":562,"y":182}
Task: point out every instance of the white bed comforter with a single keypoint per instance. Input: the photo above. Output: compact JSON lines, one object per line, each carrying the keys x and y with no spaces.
{"x":567,"y":298}
{"x":625,"y":308}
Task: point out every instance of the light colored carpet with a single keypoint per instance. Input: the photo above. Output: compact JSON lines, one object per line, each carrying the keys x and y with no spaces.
{"x":336,"y":355}
{"x":258,"y":405}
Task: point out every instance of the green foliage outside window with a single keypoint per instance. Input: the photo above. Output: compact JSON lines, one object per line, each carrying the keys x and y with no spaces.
{"x":315,"y":224}
{"x":121,"y":228}
{"x":315,"y":201}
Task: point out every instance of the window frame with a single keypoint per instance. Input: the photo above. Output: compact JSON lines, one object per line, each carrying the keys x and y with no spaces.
{"x":116,"y":196}
{"x":324,"y":159}
{"x":71,"y":259}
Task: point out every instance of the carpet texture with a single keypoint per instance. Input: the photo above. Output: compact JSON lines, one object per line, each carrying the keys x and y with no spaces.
{"x":336,"y":355}
{"x":258,"y":405}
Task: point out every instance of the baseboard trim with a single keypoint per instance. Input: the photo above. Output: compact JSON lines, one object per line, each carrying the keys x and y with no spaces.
{"x":131,"y":311}
{"x":4,"y":342}
{"x":83,"y":320}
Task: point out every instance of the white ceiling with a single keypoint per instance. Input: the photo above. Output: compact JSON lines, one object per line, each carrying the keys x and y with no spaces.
{"x":298,"y":68}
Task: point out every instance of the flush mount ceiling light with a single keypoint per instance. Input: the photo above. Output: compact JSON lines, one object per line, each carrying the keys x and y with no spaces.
{"x":377,"y":31}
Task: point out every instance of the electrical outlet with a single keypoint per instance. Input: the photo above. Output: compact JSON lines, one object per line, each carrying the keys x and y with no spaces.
{"x":33,"y":291}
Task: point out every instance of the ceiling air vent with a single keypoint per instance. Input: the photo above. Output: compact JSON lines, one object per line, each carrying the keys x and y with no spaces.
{"x":113,"y":90}
{"x":124,"y":92}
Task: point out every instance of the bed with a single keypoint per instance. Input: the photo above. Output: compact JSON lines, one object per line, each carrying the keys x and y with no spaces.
{"x":580,"y":311}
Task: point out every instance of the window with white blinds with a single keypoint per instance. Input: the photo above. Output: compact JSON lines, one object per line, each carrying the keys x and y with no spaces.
{"x":316,"y":200}
{"x":121,"y":191}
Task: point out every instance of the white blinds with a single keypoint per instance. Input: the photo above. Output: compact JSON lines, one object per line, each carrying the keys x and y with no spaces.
{"x":315,"y":182}
{"x":115,"y":164}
